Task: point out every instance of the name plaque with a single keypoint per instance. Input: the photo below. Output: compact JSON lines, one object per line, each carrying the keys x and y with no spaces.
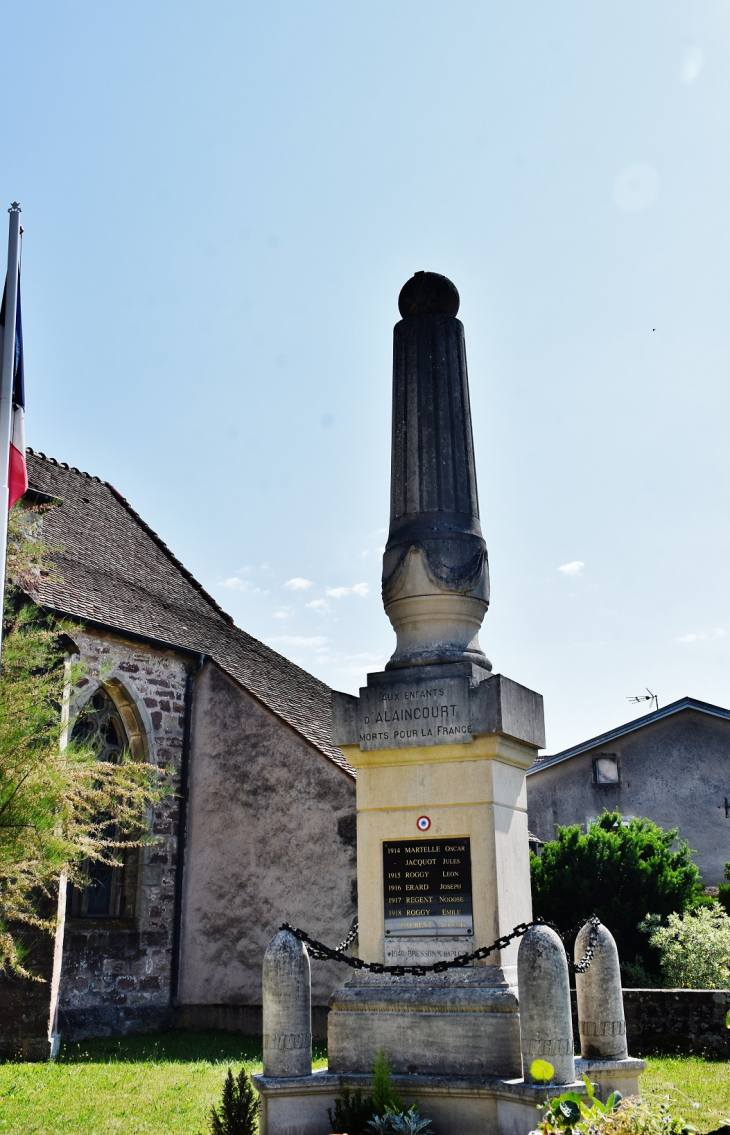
{"x":422,"y":711}
{"x":427,"y":887}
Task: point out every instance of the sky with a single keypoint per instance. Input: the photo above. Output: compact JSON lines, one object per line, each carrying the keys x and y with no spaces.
{"x":221,"y":202}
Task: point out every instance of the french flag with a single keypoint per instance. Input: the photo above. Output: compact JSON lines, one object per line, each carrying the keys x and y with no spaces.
{"x":17,"y":471}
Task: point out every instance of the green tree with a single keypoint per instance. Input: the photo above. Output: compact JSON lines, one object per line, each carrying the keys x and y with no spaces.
{"x":60,"y":807}
{"x":621,"y":872}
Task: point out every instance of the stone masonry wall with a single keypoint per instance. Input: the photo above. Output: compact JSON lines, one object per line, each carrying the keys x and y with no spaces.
{"x":116,"y":973}
{"x":674,"y":1020}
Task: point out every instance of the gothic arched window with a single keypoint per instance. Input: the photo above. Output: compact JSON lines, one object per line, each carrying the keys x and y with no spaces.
{"x":111,"y":890}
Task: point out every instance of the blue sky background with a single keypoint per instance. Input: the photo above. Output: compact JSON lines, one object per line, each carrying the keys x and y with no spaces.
{"x":221,"y":203}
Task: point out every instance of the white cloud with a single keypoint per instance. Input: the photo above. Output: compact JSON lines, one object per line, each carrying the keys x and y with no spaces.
{"x":720,"y":633}
{"x":320,"y":605}
{"x":360,"y":589}
{"x":298,"y":584}
{"x":236,"y":584}
{"x":690,"y":637}
{"x":300,"y":640}
{"x":282,"y":613}
{"x":573,"y":568}
{"x":692,"y":64}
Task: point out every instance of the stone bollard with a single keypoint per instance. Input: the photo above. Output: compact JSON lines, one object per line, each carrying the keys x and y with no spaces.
{"x":601,"y":1020}
{"x":287,"y":1007}
{"x":546,"y":1026}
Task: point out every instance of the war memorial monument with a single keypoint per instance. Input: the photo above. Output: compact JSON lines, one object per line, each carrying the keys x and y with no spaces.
{"x":441,"y":746}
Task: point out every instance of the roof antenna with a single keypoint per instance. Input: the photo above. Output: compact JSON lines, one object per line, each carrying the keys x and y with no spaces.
{"x":648,"y":696}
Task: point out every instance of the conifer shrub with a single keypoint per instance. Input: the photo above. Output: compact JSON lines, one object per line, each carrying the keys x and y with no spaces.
{"x":239,"y":1110}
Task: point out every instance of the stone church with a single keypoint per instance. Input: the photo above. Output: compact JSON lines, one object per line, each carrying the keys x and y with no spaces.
{"x":258,"y":827}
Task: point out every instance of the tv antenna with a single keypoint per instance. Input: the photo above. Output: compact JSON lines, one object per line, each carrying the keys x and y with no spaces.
{"x":648,"y":696}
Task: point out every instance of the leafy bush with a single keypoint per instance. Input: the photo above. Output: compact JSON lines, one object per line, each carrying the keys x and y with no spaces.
{"x":401,"y":1123}
{"x":239,"y":1110}
{"x":694,"y":948}
{"x":572,"y":1114}
{"x":621,"y":872}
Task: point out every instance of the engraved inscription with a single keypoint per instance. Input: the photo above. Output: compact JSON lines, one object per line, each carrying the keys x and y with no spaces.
{"x":427,"y":887}
{"x":547,"y":1046}
{"x":603,"y":1028}
{"x":287,"y":1040}
{"x":420,"y":712}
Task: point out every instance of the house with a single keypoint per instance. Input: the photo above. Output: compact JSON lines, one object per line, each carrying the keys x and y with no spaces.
{"x":259,"y":824}
{"x":671,"y":766}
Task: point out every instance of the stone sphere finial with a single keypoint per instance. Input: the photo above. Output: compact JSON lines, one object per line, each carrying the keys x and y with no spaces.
{"x":428,"y":293}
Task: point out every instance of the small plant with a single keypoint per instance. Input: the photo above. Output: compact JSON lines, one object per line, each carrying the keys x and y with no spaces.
{"x":401,"y":1123}
{"x":385,"y":1098}
{"x":352,"y":1112}
{"x":382,"y":1113}
{"x":572,"y":1114}
{"x":239,"y":1110}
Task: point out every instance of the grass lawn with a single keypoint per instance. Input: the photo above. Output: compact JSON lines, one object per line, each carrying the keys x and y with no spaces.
{"x":153,"y":1085}
{"x":691,"y":1080}
{"x":165,"y":1085}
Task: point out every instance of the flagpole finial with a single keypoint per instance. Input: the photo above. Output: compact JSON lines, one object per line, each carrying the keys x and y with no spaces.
{"x":14,"y":207}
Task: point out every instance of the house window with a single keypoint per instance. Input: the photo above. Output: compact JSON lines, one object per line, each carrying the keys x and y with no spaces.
{"x":111,"y":890}
{"x":605,"y":769}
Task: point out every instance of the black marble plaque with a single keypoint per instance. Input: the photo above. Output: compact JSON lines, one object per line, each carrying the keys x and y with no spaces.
{"x":427,"y":887}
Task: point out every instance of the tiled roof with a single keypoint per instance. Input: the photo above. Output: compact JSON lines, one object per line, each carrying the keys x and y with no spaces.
{"x":630,"y":727}
{"x":112,"y":569}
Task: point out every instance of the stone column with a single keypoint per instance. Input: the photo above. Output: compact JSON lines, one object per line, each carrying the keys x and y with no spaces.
{"x":287,"y":1010}
{"x":546,"y":1027}
{"x":600,"y":998}
{"x":435,"y":573}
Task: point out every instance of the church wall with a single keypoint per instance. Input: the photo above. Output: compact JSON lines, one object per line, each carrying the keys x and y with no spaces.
{"x":270,"y":838}
{"x":116,"y":973}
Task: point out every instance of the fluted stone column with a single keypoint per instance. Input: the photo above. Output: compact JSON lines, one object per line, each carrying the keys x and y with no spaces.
{"x":546,"y":1027}
{"x":601,"y":1019}
{"x":287,"y":1011}
{"x":435,"y":571}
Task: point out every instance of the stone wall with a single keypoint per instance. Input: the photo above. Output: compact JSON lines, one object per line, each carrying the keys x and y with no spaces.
{"x":674,"y":1020}
{"x":116,"y":973}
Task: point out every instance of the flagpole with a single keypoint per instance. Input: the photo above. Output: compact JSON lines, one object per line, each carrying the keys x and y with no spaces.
{"x":6,"y":386}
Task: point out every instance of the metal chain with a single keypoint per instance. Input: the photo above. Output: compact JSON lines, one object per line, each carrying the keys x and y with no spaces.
{"x":323,"y":953}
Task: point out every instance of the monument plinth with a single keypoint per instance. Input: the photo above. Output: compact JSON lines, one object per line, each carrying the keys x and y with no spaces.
{"x":441,"y":746}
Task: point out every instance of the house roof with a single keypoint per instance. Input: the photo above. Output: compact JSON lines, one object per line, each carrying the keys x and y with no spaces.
{"x":112,"y":569}
{"x":631,"y":727}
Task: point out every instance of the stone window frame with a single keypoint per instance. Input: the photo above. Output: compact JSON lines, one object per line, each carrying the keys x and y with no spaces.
{"x":594,"y":770}
{"x":128,"y":709}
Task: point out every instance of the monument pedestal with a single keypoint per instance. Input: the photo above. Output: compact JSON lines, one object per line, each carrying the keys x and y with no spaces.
{"x":467,"y":1105}
{"x":463,"y":1023}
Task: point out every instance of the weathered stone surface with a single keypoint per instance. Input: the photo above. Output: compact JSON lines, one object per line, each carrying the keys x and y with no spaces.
{"x":461,"y":1023}
{"x":601,"y":1020}
{"x":287,"y":1016}
{"x":545,"y":1018}
{"x":469,"y":702}
{"x":435,"y":572}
